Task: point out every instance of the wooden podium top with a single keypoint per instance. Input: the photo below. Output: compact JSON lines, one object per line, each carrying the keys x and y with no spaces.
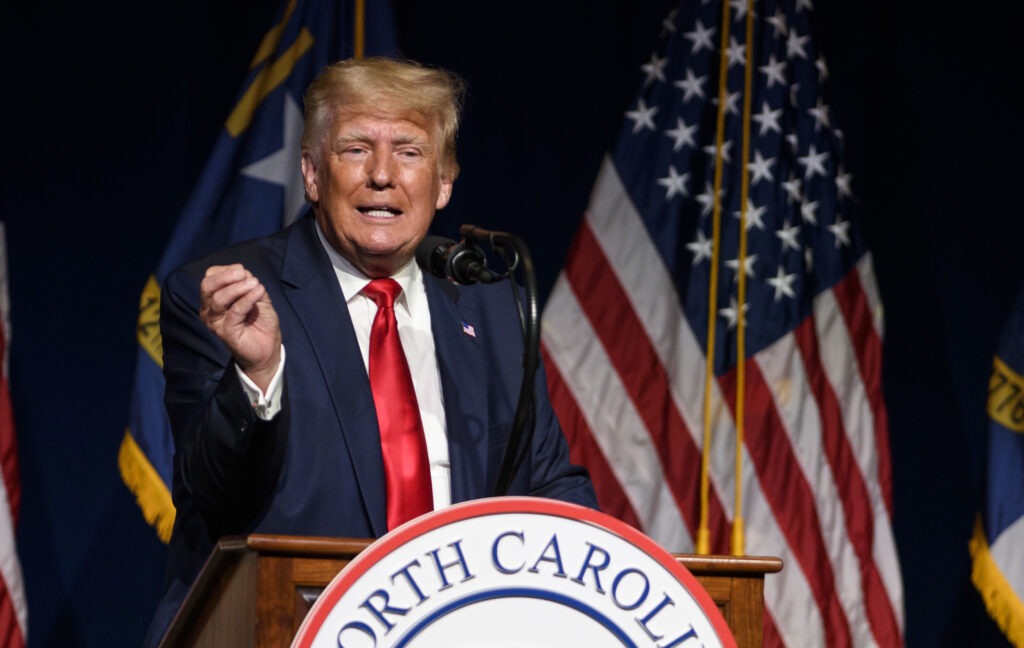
{"x":256,"y":591}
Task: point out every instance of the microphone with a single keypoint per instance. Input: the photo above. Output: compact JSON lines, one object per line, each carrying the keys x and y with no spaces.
{"x":459,"y":263}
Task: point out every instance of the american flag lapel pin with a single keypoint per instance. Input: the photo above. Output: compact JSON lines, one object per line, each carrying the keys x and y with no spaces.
{"x":468,"y":329}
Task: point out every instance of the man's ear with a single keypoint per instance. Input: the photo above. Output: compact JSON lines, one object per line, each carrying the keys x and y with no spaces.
{"x":309,"y":178}
{"x":445,"y":194}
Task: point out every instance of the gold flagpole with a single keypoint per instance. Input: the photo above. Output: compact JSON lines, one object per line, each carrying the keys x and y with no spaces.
{"x":703,"y":534}
{"x":738,"y":542}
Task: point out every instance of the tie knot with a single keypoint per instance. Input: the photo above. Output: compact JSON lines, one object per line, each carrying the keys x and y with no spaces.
{"x":383,"y":292}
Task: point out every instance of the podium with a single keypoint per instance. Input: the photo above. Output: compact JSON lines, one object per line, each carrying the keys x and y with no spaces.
{"x":256,"y":591}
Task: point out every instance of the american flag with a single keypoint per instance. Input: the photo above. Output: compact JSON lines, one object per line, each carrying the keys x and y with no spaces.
{"x":661,"y":277}
{"x":13,"y":607}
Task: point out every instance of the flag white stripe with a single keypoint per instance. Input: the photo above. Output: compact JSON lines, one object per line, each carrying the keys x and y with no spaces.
{"x":887,"y":559}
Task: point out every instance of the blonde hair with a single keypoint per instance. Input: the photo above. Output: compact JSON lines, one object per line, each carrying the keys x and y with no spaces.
{"x":405,"y":85}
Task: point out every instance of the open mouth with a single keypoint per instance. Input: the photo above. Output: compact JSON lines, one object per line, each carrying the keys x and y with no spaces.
{"x":377,"y":211}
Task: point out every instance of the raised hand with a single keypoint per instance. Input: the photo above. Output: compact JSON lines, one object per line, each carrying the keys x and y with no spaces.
{"x":236,"y":307}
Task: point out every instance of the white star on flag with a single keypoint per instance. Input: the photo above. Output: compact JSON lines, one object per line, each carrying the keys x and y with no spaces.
{"x":732,"y":314}
{"x":787,"y":234}
{"x":736,"y":52}
{"x":700,"y":37}
{"x":843,"y":180}
{"x":782,"y":283}
{"x":820,"y":114}
{"x":841,"y":230}
{"x":822,"y":68}
{"x":778,"y":22}
{"x":809,"y":212}
{"x":768,"y":119}
{"x":710,"y":149}
{"x":814,"y":162}
{"x":730,"y":102}
{"x":795,"y":45}
{"x":748,"y":266}
{"x":701,"y":248}
{"x":654,"y":69}
{"x":643,"y":117}
{"x":682,"y":135}
{"x":739,"y":8}
{"x":692,"y":86}
{"x":774,"y":72}
{"x":792,"y":187}
{"x":754,"y":215}
{"x":706,"y":199}
{"x":674,"y":183}
{"x":282,"y":166}
{"x":761,"y":168}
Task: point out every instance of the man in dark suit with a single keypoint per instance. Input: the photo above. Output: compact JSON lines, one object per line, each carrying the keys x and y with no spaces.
{"x":267,"y":344}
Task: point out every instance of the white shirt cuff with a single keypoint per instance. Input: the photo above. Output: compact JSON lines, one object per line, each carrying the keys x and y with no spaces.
{"x":266,"y":405}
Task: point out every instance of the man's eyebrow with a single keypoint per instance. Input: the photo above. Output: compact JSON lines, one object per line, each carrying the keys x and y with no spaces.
{"x":359,"y":137}
{"x":341,"y":141}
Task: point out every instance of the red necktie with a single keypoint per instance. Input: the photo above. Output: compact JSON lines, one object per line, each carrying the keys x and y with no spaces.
{"x":404,"y":447}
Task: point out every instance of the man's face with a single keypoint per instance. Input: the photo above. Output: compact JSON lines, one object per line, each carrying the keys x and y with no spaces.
{"x":376,"y":186}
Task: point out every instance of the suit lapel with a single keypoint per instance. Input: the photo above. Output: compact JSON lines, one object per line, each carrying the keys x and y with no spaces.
{"x":462,"y":366}
{"x":312,"y":289}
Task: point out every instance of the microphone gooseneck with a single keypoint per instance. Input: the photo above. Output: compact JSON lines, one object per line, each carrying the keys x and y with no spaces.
{"x":465,"y":263}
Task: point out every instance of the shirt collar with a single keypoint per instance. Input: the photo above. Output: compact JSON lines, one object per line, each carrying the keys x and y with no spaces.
{"x":352,"y":281}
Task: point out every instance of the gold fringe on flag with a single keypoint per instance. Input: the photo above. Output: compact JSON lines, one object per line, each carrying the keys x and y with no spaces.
{"x":150,"y":492}
{"x":1003,"y":605}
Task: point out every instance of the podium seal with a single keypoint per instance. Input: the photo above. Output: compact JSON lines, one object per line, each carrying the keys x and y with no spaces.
{"x":514,"y":572}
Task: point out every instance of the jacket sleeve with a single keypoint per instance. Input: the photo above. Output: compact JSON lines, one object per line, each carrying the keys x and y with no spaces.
{"x":552,"y":474}
{"x":227,"y":460}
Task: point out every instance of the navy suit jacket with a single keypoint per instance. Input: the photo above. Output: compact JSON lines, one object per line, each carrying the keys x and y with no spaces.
{"x":316,"y":469}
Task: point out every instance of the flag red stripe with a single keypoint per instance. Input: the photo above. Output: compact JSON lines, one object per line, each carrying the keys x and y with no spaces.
{"x":854,"y":307}
{"x":772,"y":638}
{"x":853,"y":491}
{"x":583,"y":450}
{"x":9,"y":452}
{"x":790,"y":497}
{"x":604,"y":301}
{"x":10,"y":630}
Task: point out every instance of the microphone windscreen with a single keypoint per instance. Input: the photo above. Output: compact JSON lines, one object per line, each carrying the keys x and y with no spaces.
{"x":430,"y":255}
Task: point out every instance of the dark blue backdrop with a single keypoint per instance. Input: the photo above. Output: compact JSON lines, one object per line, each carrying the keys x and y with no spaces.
{"x":110,"y":110}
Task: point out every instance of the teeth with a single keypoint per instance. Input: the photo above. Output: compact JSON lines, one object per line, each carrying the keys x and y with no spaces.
{"x":379,"y":213}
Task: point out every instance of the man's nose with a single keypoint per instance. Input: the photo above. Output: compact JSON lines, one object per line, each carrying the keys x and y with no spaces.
{"x":380,"y":172}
